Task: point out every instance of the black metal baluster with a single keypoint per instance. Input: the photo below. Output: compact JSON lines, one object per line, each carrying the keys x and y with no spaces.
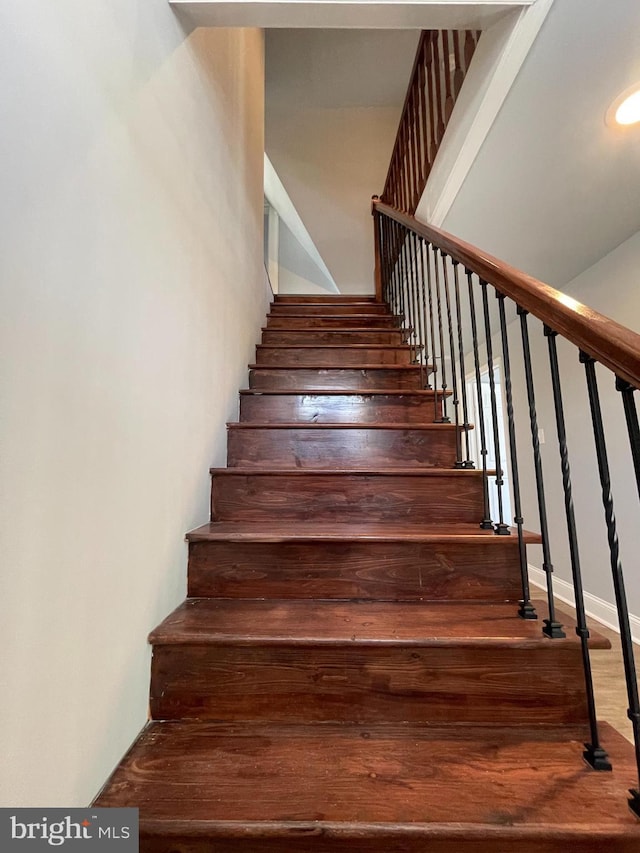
{"x":454,"y":373}
{"x":466,"y":463}
{"x":594,"y":755}
{"x":501,"y":528}
{"x":631,"y":417}
{"x":436,"y":414}
{"x":402,"y":278}
{"x":486,"y":523}
{"x":393,"y":256}
{"x":552,"y":628}
{"x":405,"y":286}
{"x":526,"y":610}
{"x":382,"y":247}
{"x":424,"y":320}
{"x":406,"y":290}
{"x":419,"y":303}
{"x":445,"y":419}
{"x":413,"y":293}
{"x":616,"y":565}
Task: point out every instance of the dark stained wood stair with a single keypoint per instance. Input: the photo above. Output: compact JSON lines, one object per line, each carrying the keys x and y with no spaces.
{"x":349,"y":672}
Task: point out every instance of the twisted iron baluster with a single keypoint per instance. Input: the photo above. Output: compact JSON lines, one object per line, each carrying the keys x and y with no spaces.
{"x":486,"y":523}
{"x":454,"y":375}
{"x":467,"y":463}
{"x":616,"y":565}
{"x":594,"y":754}
{"x":445,"y":419}
{"x":501,"y":528}
{"x":552,"y":628}
{"x":527,"y":610}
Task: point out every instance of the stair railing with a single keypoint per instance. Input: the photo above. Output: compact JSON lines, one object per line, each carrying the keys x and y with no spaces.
{"x":440,"y":66}
{"x":441,"y":287}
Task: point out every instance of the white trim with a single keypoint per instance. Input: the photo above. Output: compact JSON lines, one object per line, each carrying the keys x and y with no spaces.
{"x":451,"y":175}
{"x":360,"y":14}
{"x":599,"y":609}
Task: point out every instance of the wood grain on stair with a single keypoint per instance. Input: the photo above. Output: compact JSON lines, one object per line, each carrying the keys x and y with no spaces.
{"x":345,"y":309}
{"x":315,"y":445}
{"x":413,"y":495}
{"x":333,"y":789}
{"x":332,"y":336}
{"x":333,"y":354}
{"x":335,"y":407}
{"x":333,"y":321}
{"x":362,"y":662}
{"x":362,"y":377}
{"x":330,"y":568}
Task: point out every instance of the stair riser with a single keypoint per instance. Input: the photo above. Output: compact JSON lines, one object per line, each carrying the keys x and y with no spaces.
{"x":334,"y":408}
{"x":344,"y":310}
{"x":351,"y":321}
{"x":347,"y":498}
{"x":340,"y":447}
{"x":397,"y":571}
{"x":367,"y":684}
{"x":338,"y":356}
{"x":332,"y":336}
{"x":371,"y":379}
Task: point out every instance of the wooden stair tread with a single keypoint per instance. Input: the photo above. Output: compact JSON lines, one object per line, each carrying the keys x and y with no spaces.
{"x":331,"y":622}
{"x":398,"y":330}
{"x":347,"y":315}
{"x":326,"y":366}
{"x":296,"y":425}
{"x":341,"y":392}
{"x":357,"y":782}
{"x":381,"y":532}
{"x":266,"y":470}
{"x":319,"y":345}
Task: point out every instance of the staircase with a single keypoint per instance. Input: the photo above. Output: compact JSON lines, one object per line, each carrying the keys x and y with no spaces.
{"x":349,"y":672}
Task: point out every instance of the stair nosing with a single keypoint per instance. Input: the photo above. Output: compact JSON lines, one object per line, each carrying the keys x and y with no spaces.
{"x":420,"y":534}
{"x":169,"y":634}
{"x":343,"y":425}
{"x":334,"y":392}
{"x":341,"y":472}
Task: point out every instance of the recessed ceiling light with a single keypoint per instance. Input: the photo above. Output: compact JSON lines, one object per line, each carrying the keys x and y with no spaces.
{"x":625,"y":110}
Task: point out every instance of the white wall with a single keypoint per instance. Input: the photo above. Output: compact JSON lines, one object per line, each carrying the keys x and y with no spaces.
{"x":133,"y":290}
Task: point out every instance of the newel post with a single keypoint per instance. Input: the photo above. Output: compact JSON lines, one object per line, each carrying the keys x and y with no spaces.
{"x":377,"y":248}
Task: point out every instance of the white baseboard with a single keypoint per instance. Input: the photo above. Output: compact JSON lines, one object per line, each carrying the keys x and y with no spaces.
{"x":599,"y":609}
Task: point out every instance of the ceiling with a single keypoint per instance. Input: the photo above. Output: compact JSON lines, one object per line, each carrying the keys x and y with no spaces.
{"x":379,"y":14}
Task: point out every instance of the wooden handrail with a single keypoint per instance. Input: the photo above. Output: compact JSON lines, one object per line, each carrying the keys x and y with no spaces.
{"x":610,"y":343}
{"x":439,"y":67}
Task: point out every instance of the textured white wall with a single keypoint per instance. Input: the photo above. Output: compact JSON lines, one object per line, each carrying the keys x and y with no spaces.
{"x":133,"y":290}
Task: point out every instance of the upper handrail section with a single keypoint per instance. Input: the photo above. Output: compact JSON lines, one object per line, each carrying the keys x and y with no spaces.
{"x":613,"y":345}
{"x":439,"y":68}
